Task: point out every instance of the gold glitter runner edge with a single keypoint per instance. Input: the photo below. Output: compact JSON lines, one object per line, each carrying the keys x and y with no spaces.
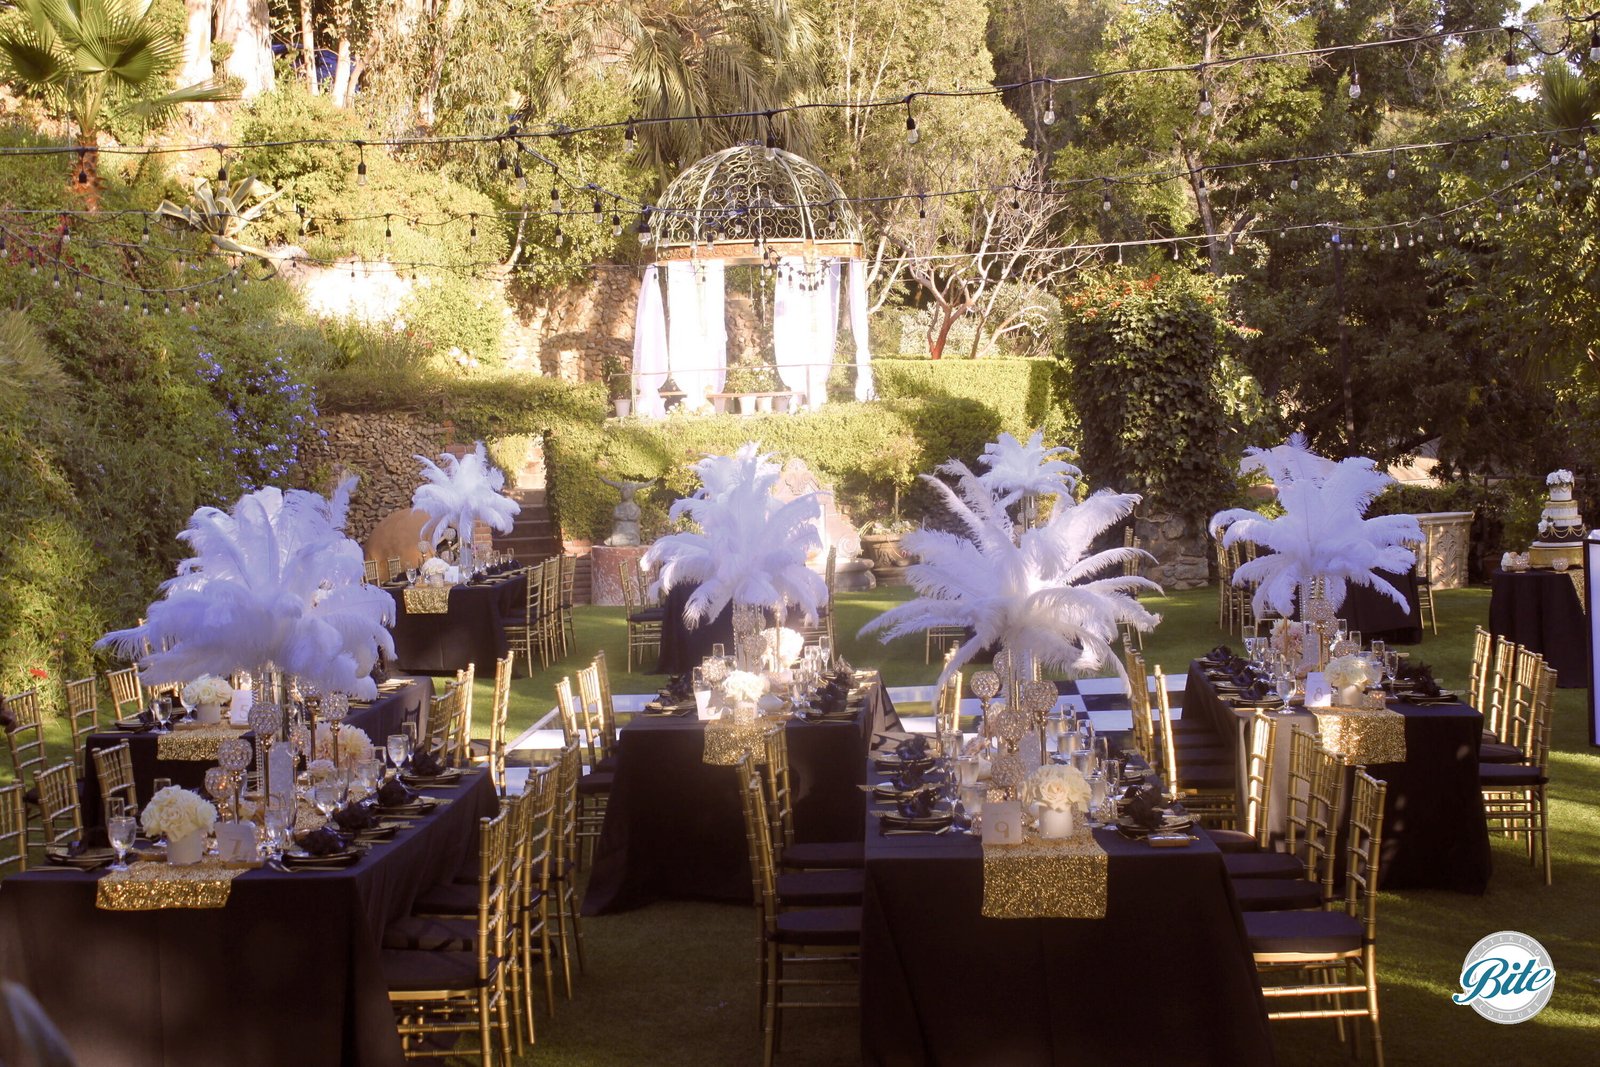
{"x":153,"y":885}
{"x":728,"y":741}
{"x":1045,"y":878}
{"x":197,"y":744}
{"x":1362,"y":736}
{"x":1577,"y":586}
{"x":427,"y":599}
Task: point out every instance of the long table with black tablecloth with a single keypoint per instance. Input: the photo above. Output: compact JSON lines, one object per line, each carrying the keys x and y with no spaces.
{"x":471,"y":630}
{"x":674,"y":828}
{"x":288,"y":971}
{"x":1435,"y":835}
{"x":683,"y":648}
{"x":1541,"y":611}
{"x":1165,"y":977}
{"x":379,"y":719}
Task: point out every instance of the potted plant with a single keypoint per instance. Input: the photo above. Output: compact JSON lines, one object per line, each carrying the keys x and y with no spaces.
{"x":752,"y":378}
{"x":619,"y":384}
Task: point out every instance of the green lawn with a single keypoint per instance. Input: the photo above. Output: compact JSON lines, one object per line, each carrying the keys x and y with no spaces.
{"x":674,"y":983}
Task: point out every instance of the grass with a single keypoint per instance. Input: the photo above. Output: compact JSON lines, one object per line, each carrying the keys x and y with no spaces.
{"x":674,"y":983}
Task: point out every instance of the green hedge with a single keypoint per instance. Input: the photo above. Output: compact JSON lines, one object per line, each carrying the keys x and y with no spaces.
{"x":1021,"y":391}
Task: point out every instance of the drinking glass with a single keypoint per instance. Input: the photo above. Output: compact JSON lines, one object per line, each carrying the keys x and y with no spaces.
{"x":369,"y":773}
{"x":325,"y":795}
{"x":410,"y":730}
{"x":396,"y":745}
{"x":158,"y":784}
{"x":158,"y":712}
{"x":1354,"y":637}
{"x":277,"y":826}
{"x":120,"y":830}
{"x":719,"y":651}
{"x":1285,"y":684}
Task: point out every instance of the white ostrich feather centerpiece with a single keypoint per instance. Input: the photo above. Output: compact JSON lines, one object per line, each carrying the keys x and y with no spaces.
{"x":1017,"y":470}
{"x":1322,"y":533}
{"x":460,"y":492}
{"x":752,"y":547}
{"x":1040,"y":593}
{"x":273,"y":580}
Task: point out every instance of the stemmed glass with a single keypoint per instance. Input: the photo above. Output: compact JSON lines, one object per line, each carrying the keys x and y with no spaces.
{"x":158,"y":712}
{"x":120,"y":829}
{"x":278,"y":826}
{"x":1285,"y":682}
{"x":396,"y":747}
{"x":325,"y":795}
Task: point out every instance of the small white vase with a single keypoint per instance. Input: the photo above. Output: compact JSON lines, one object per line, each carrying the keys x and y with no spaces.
{"x":186,"y":850}
{"x":1054,"y":823}
{"x":1349,"y":696}
{"x":208,"y":714}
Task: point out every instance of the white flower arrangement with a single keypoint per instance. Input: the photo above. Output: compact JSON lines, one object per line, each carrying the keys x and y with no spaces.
{"x":353,"y":744}
{"x":1344,"y":671}
{"x":744,"y":687}
{"x":207,"y":689}
{"x":781,"y":647}
{"x":176,"y":812}
{"x":1560,"y":477}
{"x":433,"y":567}
{"x":320,"y":770}
{"x":1057,"y":787}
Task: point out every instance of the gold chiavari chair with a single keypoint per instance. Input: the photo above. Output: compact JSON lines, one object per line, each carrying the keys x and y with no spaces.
{"x":790,"y":854}
{"x":369,"y":571}
{"x":1497,"y":698}
{"x":460,"y":740}
{"x":600,"y":729}
{"x":1311,"y":838}
{"x":551,"y":636}
{"x":1337,"y":948}
{"x":1482,"y":662}
{"x":522,"y":632}
{"x":1514,"y":794}
{"x":1260,"y":764}
{"x":1516,"y":698}
{"x":594,"y":787}
{"x":453,"y":993}
{"x":24,"y":731}
{"x":828,"y":935}
{"x":607,"y":705}
{"x":113,"y":770}
{"x":442,"y":712}
{"x":127,"y":696}
{"x":492,"y":750}
{"x":60,"y":818}
{"x":569,"y":581}
{"x":1423,"y":569}
{"x":644,"y":620}
{"x":1301,"y":791}
{"x":83,"y":707}
{"x":564,"y":864}
{"x":396,"y":569}
{"x":1209,"y":792}
{"x":538,"y":889}
{"x":13,"y":830}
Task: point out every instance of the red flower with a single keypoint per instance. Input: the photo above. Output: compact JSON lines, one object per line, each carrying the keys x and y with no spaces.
{"x":38,"y":672}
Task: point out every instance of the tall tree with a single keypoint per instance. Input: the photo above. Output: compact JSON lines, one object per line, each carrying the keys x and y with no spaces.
{"x":245,"y":27}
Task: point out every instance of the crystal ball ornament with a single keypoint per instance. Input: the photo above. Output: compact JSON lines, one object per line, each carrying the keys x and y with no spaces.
{"x":234,"y":755}
{"x":985,"y":685}
{"x":265,"y":719}
{"x":335,"y":706}
{"x":1008,"y":722}
{"x":1038,"y":699}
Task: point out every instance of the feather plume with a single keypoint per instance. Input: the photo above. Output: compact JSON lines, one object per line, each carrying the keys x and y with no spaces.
{"x":275,"y":581}
{"x":1322,"y":532}
{"x":751,"y":548}
{"x":1032,"y":593}
{"x":1017,"y":470}
{"x":460,"y":492}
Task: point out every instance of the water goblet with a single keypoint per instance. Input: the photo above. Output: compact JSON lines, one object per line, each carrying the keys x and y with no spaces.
{"x":1285,"y":683}
{"x":120,"y":831}
{"x":278,"y":826}
{"x":410,"y":730}
{"x":1354,"y":637}
{"x":719,"y":651}
{"x":158,"y":713}
{"x":325,"y":795}
{"x":396,"y":746}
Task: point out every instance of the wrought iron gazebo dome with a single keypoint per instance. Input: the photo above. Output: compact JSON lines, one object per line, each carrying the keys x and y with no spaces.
{"x":746,"y":203}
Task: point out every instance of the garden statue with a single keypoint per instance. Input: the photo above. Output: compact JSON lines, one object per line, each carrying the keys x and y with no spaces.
{"x":625,"y":516}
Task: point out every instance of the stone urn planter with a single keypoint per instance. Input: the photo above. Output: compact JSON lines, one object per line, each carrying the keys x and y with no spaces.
{"x":889,"y":560}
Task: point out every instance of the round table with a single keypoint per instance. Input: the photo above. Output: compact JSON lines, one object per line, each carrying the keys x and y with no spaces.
{"x":1540,"y":610}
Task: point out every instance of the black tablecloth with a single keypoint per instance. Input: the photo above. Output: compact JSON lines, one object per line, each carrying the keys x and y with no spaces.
{"x":472,"y":630}
{"x":1435,"y":835}
{"x":1540,"y":610}
{"x":674,"y":827}
{"x":379,"y":719}
{"x":286,"y":972}
{"x":1376,"y":616}
{"x":1165,"y":978}
{"x":682,"y":649}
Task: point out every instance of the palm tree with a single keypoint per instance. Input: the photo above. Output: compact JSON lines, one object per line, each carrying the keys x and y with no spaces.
{"x":84,"y":56}
{"x":692,"y":57}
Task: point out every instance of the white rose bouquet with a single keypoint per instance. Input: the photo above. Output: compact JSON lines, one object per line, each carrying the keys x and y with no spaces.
{"x":1560,"y":477}
{"x":207,"y":689}
{"x":744,"y":687}
{"x":433,"y":567}
{"x":320,"y":770}
{"x":354,"y":745}
{"x":1344,"y":671}
{"x":1057,"y":787}
{"x":176,"y":812}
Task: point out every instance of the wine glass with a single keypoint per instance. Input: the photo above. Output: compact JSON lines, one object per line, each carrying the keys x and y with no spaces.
{"x":120,"y":830}
{"x":396,"y":746}
{"x":325,"y":795}
{"x":158,"y":712}
{"x":277,"y":826}
{"x":1285,"y":683}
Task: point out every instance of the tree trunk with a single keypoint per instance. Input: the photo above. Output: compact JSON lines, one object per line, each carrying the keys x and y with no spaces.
{"x":341,"y":72}
{"x":83,"y":179}
{"x":196,"y":43}
{"x":936,"y":345}
{"x":427,"y":105}
{"x":308,"y":47}
{"x":245,"y":26}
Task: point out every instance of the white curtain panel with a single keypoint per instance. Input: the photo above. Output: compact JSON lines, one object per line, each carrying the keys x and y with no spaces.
{"x":790,"y":331}
{"x":714,"y":321}
{"x":825,"y":335}
{"x":858,"y":330}
{"x":649,"y":346}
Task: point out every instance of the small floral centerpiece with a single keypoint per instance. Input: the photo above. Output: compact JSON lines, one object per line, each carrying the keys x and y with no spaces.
{"x":206,"y":694}
{"x":1056,"y":792}
{"x":320,"y":770}
{"x":185,"y":818}
{"x":1349,"y":675}
{"x":434,"y":570}
{"x":743,"y":689}
{"x":1560,"y":477}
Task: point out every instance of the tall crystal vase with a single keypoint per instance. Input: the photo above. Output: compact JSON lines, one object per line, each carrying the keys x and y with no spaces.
{"x":1320,"y":614}
{"x":748,"y":620}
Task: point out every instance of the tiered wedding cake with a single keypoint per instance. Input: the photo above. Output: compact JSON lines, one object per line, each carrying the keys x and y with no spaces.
{"x":1561,"y":527}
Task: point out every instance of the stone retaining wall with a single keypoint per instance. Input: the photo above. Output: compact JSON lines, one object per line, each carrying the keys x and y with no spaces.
{"x":381,"y":449}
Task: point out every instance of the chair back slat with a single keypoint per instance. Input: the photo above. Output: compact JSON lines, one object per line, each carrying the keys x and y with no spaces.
{"x":83,"y":707}
{"x":778,"y":785}
{"x":24,"y":734}
{"x":758,"y":841}
{"x":113,"y":769}
{"x":13,"y":830}
{"x":1261,"y":763}
{"x":127,"y":697}
{"x":1364,"y":851}
{"x":1482,"y":662}
{"x":591,"y":718}
{"x":58,"y":804}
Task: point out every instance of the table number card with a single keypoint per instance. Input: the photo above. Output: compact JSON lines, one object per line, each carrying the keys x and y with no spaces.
{"x":238,"y":842}
{"x":702,"y":705}
{"x":1319,"y":694}
{"x":1002,"y":823}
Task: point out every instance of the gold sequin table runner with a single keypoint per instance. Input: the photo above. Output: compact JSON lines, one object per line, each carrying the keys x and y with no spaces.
{"x":195,"y":743}
{"x":728,"y":741}
{"x":426,"y":599}
{"x":150,"y":885}
{"x":1045,"y":878}
{"x":1362,"y":736}
{"x":1577,"y":585}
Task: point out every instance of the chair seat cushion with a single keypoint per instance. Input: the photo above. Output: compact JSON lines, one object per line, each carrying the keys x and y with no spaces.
{"x":817,"y":888}
{"x":1277,"y":894}
{"x":1488,"y":738}
{"x":1491,"y":775}
{"x":454,"y":898}
{"x":819,"y":926}
{"x":1233,"y":841}
{"x":431,"y":935}
{"x":1499,"y":753}
{"x":408,"y":971}
{"x":815,"y":855}
{"x":1263,"y":865}
{"x":606,"y":765}
{"x":1302,"y":931}
{"x":595,"y":782}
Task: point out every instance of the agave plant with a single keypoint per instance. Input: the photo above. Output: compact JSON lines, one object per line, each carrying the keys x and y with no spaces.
{"x":273,"y":580}
{"x":222,"y":212}
{"x":1322,"y":534}
{"x":83,"y":56}
{"x":1041,"y":593}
